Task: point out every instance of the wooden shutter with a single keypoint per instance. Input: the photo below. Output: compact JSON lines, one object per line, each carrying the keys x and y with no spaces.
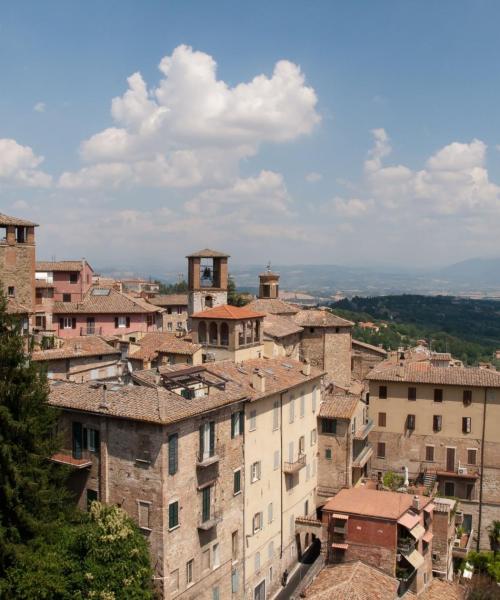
{"x":233,"y":425}
{"x":116,"y":322}
{"x":127,"y":321}
{"x":77,"y":439}
{"x":61,"y":323}
{"x":381,"y":419}
{"x":73,"y":323}
{"x":212,"y":438}
{"x":201,"y":442}
{"x":172,"y":454}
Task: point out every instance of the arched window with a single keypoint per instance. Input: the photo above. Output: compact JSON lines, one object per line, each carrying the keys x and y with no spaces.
{"x":241,"y":337}
{"x":212,"y":334}
{"x":202,"y":332}
{"x":209,"y":302}
{"x":224,"y":334}
{"x":257,"y":332}
{"x":249,"y":327}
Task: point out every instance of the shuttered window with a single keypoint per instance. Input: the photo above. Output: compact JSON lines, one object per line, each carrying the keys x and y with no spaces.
{"x":173,"y":515}
{"x":173,"y":453}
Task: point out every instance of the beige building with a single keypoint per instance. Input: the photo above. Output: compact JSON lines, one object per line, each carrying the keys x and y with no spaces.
{"x":442,"y":424}
{"x":175,"y":307}
{"x":150,"y":350}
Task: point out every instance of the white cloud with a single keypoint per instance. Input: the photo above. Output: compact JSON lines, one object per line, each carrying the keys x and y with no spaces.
{"x":352,"y":208}
{"x":193,"y":129}
{"x":18,"y":165}
{"x":39,"y":107}
{"x":314,"y":177}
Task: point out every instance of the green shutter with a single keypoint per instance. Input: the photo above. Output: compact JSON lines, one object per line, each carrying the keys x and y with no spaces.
{"x":173,"y":454}
{"x":237,"y":482}
{"x":77,"y":439}
{"x":242,"y":415}
{"x":212,"y":438}
{"x":206,"y":503}
{"x":233,"y":425}
{"x":173,"y":515}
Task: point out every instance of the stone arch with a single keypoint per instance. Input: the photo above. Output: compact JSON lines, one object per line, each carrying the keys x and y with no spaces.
{"x":224,"y":334}
{"x":202,"y":332}
{"x":212,"y":333}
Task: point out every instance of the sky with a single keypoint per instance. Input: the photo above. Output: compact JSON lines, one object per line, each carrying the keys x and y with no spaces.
{"x":301,"y":132}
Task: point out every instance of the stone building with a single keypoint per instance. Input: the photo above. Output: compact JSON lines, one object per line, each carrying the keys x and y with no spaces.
{"x":442,"y":424}
{"x":365,"y":357}
{"x":207,"y":280}
{"x":282,"y":337}
{"x":175,"y":313}
{"x":388,"y":530}
{"x":151,"y":350}
{"x":444,"y":529}
{"x":343,"y":448}
{"x":17,"y":266}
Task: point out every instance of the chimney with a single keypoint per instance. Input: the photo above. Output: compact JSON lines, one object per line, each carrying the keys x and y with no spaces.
{"x":157,"y":376}
{"x":104,"y":400}
{"x":258,"y":381}
{"x":306,"y":368}
{"x":416,"y":503}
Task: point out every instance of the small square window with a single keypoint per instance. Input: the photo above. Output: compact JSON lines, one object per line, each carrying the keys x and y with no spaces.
{"x":73,"y":277}
{"x":382,"y":392}
{"x":66,"y":298}
{"x":429,"y":453}
{"x":467,"y":397}
{"x":382,"y":419}
{"x":328,"y":453}
{"x":412,"y":393}
{"x":11,"y":292}
{"x":173,"y":515}
{"x":381,"y":450}
{"x":471,"y":456}
{"x":466,"y":424}
{"x":438,"y":395}
{"x":190,"y":571}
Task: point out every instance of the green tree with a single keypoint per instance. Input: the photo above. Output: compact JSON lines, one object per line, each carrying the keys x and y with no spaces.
{"x":31,"y":487}
{"x":233,"y":297}
{"x":180,"y":287}
{"x":494,"y":536}
{"x":101,"y":555}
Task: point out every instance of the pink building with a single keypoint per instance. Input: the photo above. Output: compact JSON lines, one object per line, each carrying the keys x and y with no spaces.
{"x":105,"y":311}
{"x":69,"y":279}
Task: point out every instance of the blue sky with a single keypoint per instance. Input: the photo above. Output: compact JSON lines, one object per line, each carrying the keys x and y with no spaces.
{"x":375,"y":142}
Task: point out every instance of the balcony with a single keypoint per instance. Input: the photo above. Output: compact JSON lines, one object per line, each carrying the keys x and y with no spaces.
{"x":205,"y":460}
{"x":210,"y":521}
{"x":290,"y":468}
{"x":363,"y":456}
{"x":90,"y":330}
{"x":67,"y":457}
{"x":363,"y":431}
{"x":406,"y":545}
{"x":462,"y":544}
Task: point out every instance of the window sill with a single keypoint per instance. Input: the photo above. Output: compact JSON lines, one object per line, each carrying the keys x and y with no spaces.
{"x":174,"y":528}
{"x":237,"y":493}
{"x":145,"y":529}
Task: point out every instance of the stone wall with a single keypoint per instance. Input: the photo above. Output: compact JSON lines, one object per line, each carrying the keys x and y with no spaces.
{"x":17,"y":269}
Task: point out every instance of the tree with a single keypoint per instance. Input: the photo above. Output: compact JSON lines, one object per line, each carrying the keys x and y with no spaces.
{"x":100,"y":555}
{"x":233,"y":297}
{"x":494,"y":535}
{"x":32,"y":493}
{"x":172,"y":288}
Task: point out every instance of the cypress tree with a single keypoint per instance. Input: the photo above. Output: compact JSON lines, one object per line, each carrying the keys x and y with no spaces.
{"x":32,"y":492}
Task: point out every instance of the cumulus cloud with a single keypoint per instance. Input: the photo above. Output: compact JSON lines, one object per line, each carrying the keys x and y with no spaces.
{"x":193,"y":128}
{"x":353,"y":207}
{"x":19,"y":165}
{"x":314,"y":177}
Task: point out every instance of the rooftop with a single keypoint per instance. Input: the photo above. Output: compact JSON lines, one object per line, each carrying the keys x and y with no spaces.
{"x":226,"y":311}
{"x":105,"y":300}
{"x":155,"y":343}
{"x":6,"y":220}
{"x":370,"y":347}
{"x":61,"y":265}
{"x":440,"y":590}
{"x":352,"y":581}
{"x":320,"y":318}
{"x":208,"y":253}
{"x":76,"y":347}
{"x":169,"y":300}
{"x":340,"y":405}
{"x":272,"y":306}
{"x":423,"y":372}
{"x":373,"y":503}
{"x":278,"y":326}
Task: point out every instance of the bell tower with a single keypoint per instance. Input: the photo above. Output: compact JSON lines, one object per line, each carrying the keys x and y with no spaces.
{"x":207,"y":280}
{"x":269,"y":283}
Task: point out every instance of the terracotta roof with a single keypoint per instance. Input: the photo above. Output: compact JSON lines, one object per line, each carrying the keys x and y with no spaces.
{"x":320,"y":318}
{"x":425,"y":373}
{"x":272,"y":306}
{"x":277,"y":326}
{"x":154,"y":343}
{"x":440,"y":356}
{"x":339,"y":406}
{"x":373,"y":503}
{"x":76,"y":347}
{"x":352,"y":581}
{"x":208,"y":253}
{"x":226,"y":311}
{"x":442,"y":590}
{"x":60,"y":265}
{"x":169,"y":300}
{"x":370,"y":347}
{"x":105,"y":300}
{"x":6,"y":220}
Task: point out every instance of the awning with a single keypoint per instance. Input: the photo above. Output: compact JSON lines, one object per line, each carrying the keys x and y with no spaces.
{"x":428,"y":536}
{"x":415,"y":559}
{"x":429,"y":508}
{"x":339,"y":516}
{"x":340,"y":546}
{"x":417,"y":532}
{"x":409,"y":520}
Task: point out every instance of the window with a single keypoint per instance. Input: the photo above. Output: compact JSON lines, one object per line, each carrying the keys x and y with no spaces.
{"x":91,"y":439}
{"x":314,"y":398}
{"x":313,"y":436}
{"x":91,"y":497}
{"x":234,"y":581}
{"x":471,"y":456}
{"x":67,"y":322}
{"x":190,"y":571}
{"x":467,"y":397}
{"x":270,"y":576}
{"x":353,"y":425}
{"x":276,"y":415}
{"x":206,"y":494}
{"x":174,"y":580}
{"x":437,"y":422}
{"x":302,"y":406}
{"x":328,"y":454}
{"x":292,"y":528}
{"x":150,"y":320}
{"x":302,"y":445}
{"x":237,"y":481}
{"x":257,"y":561}
{"x":237,"y":424}
{"x":121,"y":322}
{"x":412,"y":393}
{"x":381,"y":450}
{"x":207,"y":440}
{"x":234,"y":544}
{"x":173,"y":453}
{"x":466,"y":424}
{"x":329,"y":426}
{"x":290,"y":452}
{"x":215,"y":556}
{"x":382,"y":419}
{"x":205,"y":560}
{"x":270,"y":550}
{"x":308,"y":472}
{"x":255,"y":471}
{"x":11,"y":292}
{"x":169,"y":326}
{"x":253,"y":420}
{"x":276,"y":460}
{"x":429,"y":453}
{"x":173,"y":515}
{"x":314,"y":467}
{"x":73,"y":277}
{"x":66,"y":298}
{"x":257,"y":522}
{"x":215,"y":593}
{"x":449,"y":488}
{"x":410,"y":422}
{"x":292,"y":409}
{"x":382,"y":392}
{"x":270,"y":512}
{"x":144,"y":509}
{"x":438,"y":395}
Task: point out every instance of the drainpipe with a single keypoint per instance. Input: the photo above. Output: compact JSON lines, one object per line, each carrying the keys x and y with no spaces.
{"x":348,"y":444}
{"x":244,"y":558}
{"x":481,"y":472}
{"x":281,"y":474}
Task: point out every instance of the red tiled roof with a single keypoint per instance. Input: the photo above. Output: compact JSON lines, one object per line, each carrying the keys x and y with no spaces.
{"x":272,"y":306}
{"x":226,"y":311}
{"x":339,"y":406}
{"x":6,"y":220}
{"x":278,"y":326}
{"x":61,"y":265}
{"x":320,"y":318}
{"x":76,"y":347}
{"x":169,"y":300}
{"x":155,"y":343}
{"x":208,"y":253}
{"x":95,"y":302}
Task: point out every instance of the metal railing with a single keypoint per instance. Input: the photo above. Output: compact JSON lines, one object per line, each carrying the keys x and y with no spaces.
{"x":289,"y":468}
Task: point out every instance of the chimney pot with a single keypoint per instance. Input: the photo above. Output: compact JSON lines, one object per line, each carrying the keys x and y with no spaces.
{"x":306,"y":368}
{"x":258,"y":381}
{"x":416,"y":502}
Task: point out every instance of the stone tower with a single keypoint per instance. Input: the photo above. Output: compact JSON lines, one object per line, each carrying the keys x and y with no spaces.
{"x":207,"y":280}
{"x":17,"y":264}
{"x":269,"y":284}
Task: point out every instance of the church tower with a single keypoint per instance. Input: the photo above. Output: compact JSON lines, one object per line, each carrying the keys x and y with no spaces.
{"x":207,"y":280}
{"x":269,"y":284}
